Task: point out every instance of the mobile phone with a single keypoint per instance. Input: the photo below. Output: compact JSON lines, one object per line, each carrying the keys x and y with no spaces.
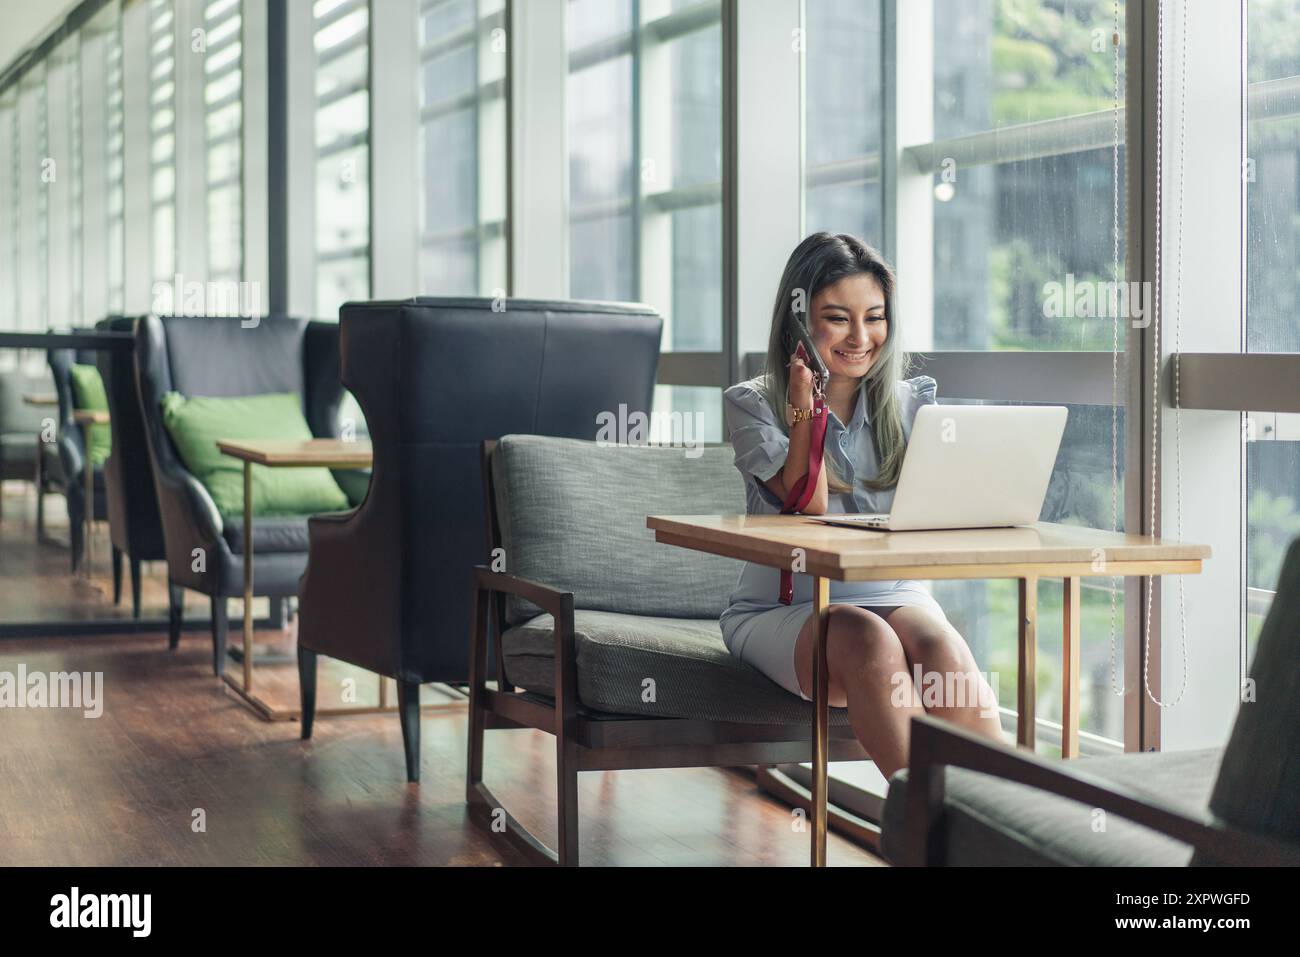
{"x":799,"y":332}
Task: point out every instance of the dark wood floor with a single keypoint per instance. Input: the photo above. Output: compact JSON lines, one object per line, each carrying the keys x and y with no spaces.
{"x":123,"y":789}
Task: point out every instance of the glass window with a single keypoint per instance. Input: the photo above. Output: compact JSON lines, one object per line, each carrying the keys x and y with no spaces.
{"x":984,"y":612}
{"x":1018,"y":212}
{"x":463,"y":147}
{"x":1272,"y":289}
{"x":842,"y":118}
{"x":342,"y":46}
{"x":645,"y":162}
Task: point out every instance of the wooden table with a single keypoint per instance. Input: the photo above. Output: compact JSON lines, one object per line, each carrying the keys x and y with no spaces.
{"x":280,"y":453}
{"x":40,"y":400}
{"x":86,"y":418}
{"x":1026,"y":553}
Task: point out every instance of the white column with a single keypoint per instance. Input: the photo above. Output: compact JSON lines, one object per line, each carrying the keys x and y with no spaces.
{"x":138,"y":220}
{"x":32,"y":170}
{"x":94,"y":178}
{"x":191,"y":146}
{"x":255,"y":261}
{"x":909,"y":194}
{"x":394,"y":149}
{"x":539,"y":161}
{"x":59,"y":131}
{"x":769,"y":174}
{"x":8,"y":247}
{"x":1213,"y":313}
{"x":493,"y":163}
{"x":300,"y":147}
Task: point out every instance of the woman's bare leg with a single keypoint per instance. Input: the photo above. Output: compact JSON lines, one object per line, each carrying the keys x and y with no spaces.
{"x":868,"y":673}
{"x":934,"y":645}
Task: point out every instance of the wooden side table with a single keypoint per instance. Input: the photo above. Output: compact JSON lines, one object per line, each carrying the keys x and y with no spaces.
{"x":1025,"y":553}
{"x":280,"y":453}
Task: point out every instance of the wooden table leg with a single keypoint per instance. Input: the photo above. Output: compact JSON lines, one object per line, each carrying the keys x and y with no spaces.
{"x":40,"y":486}
{"x":248,"y":577}
{"x":821,"y":710}
{"x":1028,"y":662}
{"x":1071,"y":610}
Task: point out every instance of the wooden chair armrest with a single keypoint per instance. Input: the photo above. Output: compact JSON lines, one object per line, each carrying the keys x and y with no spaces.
{"x":559,"y":604}
{"x":937,"y":744}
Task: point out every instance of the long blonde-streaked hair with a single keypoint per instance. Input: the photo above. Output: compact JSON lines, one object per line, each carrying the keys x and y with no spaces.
{"x":822,"y":260}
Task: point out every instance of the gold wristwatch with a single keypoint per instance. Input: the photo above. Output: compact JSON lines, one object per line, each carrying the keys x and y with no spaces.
{"x":794,"y":416}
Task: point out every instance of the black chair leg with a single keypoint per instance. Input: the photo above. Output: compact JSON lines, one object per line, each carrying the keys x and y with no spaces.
{"x":135,"y":588}
{"x":408,"y":709}
{"x":117,"y":576}
{"x":220,"y":625}
{"x":75,"y":536}
{"x":175,"y":613}
{"x":307,"y":688}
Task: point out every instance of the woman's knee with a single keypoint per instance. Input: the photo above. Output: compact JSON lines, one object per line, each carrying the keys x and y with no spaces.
{"x":859,"y":639}
{"x":927,"y":638}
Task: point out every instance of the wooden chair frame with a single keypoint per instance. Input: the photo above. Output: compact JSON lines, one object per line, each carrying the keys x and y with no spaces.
{"x":586,"y":740}
{"x":936,"y":745}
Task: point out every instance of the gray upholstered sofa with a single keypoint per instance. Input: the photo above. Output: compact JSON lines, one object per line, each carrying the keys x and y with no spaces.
{"x":610,"y":640}
{"x":963,"y":800}
{"x":20,"y":424}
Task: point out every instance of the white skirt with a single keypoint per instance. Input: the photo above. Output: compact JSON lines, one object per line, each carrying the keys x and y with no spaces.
{"x":765,"y":636}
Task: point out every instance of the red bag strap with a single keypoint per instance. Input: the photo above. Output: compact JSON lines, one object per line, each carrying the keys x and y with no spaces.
{"x":804,"y":489}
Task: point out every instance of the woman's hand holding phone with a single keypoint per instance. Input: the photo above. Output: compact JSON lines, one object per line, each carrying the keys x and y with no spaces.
{"x":799,"y":391}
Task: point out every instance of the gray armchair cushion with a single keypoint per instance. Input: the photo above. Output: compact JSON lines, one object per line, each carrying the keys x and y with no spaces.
{"x":271,"y":535}
{"x":993,"y":822}
{"x":573,"y":513}
{"x":693,"y":673}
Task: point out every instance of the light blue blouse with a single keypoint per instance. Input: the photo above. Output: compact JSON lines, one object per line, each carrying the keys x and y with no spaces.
{"x":761,"y":447}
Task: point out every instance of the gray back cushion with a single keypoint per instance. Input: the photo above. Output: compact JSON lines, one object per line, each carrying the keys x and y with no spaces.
{"x":573,"y":516}
{"x":1258,"y":788}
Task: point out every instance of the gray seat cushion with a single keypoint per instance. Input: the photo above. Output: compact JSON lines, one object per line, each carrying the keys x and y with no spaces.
{"x":993,"y":822}
{"x":271,"y":535}
{"x":573,"y":516}
{"x":694,"y":675}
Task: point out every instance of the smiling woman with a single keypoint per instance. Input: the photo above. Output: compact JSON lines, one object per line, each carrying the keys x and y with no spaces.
{"x":879,"y":630}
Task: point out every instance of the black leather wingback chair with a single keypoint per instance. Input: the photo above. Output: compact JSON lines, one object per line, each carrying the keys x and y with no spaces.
{"x":72,"y":450}
{"x":218,"y":357}
{"x":388,"y":584}
{"x":133,"y":520}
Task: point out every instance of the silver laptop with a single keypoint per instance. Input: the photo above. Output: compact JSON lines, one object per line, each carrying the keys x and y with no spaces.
{"x":971,"y":466}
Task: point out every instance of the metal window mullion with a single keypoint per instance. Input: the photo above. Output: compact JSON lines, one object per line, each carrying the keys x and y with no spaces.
{"x":341,"y":92}
{"x":337,"y":14}
{"x":216,"y":106}
{"x":342,"y":144}
{"x":342,"y":48}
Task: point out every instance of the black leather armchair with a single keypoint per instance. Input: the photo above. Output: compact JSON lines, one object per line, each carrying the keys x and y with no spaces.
{"x":388,"y":585}
{"x":72,"y":451}
{"x":133,"y":520}
{"x":219,"y":357}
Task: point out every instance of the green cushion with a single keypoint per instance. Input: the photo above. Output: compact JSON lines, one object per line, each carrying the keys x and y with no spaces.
{"x":195,"y":425}
{"x":88,"y":393}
